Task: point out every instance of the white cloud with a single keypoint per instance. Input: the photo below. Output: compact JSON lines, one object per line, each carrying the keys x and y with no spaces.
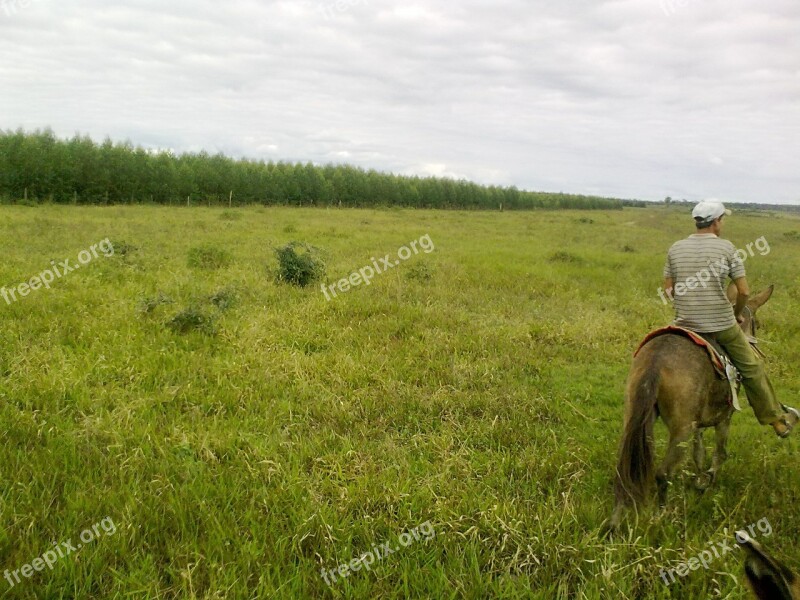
{"x":435,"y":170}
{"x":606,"y":96}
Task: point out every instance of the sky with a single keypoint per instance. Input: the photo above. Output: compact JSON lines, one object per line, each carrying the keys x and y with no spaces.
{"x":642,"y":99}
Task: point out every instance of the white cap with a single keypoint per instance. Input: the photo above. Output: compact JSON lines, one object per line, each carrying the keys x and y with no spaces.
{"x":709,"y":210}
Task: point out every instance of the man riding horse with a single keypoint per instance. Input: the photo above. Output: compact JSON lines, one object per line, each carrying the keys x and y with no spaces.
{"x":677,"y":376}
{"x":702,"y":306}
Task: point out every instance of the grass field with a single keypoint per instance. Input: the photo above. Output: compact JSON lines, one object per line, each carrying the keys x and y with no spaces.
{"x":265,"y":434}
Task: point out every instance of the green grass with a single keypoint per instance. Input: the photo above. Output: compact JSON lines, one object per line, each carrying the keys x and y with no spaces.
{"x":478,"y":387}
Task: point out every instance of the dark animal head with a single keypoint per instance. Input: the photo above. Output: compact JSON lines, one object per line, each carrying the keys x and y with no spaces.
{"x":749,"y":325}
{"x":769,"y":579}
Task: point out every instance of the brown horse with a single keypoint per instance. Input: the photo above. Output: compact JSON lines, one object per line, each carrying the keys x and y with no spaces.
{"x":672,"y":377}
{"x":769,"y":579}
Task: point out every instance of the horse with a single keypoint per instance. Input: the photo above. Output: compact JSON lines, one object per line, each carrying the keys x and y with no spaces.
{"x":767,"y":578}
{"x":673,"y":377}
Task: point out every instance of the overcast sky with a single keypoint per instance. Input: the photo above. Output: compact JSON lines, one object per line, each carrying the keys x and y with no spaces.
{"x":629,"y":98}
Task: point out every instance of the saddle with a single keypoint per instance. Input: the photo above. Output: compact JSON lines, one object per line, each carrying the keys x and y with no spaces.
{"x":723,"y":366}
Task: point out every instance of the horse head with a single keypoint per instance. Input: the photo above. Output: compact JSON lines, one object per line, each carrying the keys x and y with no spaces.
{"x":749,"y":324}
{"x":768,"y":578}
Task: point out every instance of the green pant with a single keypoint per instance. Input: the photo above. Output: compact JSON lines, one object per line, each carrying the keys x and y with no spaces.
{"x":754,"y":377}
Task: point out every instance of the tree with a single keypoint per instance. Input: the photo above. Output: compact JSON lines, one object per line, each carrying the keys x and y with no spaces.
{"x":43,"y":167}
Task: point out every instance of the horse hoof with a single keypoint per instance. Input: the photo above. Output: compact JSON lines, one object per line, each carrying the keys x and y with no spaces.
{"x":607,"y":530}
{"x":703,"y":482}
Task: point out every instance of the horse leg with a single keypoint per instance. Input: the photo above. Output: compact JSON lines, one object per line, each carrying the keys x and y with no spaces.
{"x":720,"y":451}
{"x":672,"y":459}
{"x":703,"y":480}
{"x":616,"y":518}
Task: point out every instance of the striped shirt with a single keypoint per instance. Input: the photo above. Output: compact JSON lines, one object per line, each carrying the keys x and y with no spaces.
{"x":700,"y":267}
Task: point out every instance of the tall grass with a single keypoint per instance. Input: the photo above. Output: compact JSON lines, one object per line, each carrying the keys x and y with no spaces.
{"x":481,"y":392}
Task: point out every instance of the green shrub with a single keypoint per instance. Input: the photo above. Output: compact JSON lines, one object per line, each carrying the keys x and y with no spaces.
{"x":299,"y":268}
{"x":208,"y":258}
{"x":565,"y":257}
{"x":123,"y":248}
{"x":224,"y":299}
{"x":148,"y":305}
{"x":192,"y":318}
{"x":420,"y":272}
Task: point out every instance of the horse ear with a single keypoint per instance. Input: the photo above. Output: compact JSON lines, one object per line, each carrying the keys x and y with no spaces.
{"x":732,"y":293}
{"x":760,"y":300}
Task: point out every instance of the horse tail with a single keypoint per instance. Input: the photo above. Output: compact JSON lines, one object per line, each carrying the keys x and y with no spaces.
{"x":635,"y":468}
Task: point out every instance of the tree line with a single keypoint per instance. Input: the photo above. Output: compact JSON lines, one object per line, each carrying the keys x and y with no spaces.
{"x":39,"y":167}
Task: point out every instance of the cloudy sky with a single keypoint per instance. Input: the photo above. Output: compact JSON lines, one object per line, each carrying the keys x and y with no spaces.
{"x":625,"y":98}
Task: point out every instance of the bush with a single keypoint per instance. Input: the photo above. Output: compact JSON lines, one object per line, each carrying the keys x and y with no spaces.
{"x":148,"y":305}
{"x":421,"y":272}
{"x":192,"y":318}
{"x":565,"y":257}
{"x":208,"y":258}
{"x":299,"y":268}
{"x":123,"y":248}
{"x":224,"y":299}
